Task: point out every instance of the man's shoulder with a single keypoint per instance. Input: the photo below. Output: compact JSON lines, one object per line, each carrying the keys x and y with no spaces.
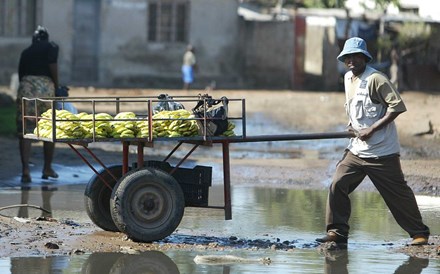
{"x":378,"y":75}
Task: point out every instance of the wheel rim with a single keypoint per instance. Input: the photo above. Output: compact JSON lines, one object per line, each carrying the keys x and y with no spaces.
{"x":150,"y":206}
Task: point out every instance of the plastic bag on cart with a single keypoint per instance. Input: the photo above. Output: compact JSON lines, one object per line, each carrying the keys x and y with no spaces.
{"x":166,"y":102}
{"x":216,"y":115}
{"x":63,"y":91}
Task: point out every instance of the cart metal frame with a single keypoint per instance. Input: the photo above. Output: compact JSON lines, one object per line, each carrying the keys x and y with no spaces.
{"x":142,"y":143}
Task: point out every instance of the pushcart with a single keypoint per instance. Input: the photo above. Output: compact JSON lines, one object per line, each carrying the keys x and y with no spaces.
{"x":146,"y":199}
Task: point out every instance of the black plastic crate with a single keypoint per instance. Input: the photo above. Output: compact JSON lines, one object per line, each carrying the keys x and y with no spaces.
{"x":195,"y":182}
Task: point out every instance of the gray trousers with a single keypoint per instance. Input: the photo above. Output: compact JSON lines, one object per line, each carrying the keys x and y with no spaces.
{"x":387,"y":176}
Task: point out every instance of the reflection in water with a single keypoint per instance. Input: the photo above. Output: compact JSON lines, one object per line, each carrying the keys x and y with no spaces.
{"x":102,"y":263}
{"x":335,"y":262}
{"x":46,"y":195}
{"x":118,"y":263}
{"x":412,"y":266}
{"x":37,"y":265}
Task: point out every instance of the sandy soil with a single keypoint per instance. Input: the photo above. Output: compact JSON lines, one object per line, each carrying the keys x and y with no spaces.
{"x":304,"y":111}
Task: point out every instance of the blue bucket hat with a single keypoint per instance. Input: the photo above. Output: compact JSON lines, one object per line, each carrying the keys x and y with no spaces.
{"x":354,"y":45}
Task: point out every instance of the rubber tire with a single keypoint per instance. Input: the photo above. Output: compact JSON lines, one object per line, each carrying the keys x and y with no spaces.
{"x":97,"y":198}
{"x":145,"y":262}
{"x":152,"y":188}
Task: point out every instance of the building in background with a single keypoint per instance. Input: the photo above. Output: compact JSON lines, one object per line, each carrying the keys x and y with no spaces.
{"x":139,"y":43}
{"x":126,"y":43}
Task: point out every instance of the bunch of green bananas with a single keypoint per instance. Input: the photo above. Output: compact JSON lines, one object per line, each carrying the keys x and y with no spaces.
{"x":68,"y":127}
{"x":102,"y":129}
{"x":142,"y":129}
{"x":174,"y":124}
{"x":230,"y":131}
{"x":124,"y":125}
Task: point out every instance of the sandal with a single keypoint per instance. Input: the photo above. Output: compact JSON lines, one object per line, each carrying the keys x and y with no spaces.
{"x":51,"y":174}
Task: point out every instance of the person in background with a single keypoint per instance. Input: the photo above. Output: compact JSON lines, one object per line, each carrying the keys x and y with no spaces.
{"x":372,"y":104}
{"x":394,"y":68}
{"x":38,"y":77}
{"x":188,"y":67}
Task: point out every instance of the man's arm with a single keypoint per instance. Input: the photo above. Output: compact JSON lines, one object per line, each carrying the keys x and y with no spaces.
{"x":366,"y":133}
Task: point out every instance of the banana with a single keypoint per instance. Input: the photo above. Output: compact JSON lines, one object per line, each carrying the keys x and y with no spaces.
{"x":229,"y":133}
{"x":174,"y":134}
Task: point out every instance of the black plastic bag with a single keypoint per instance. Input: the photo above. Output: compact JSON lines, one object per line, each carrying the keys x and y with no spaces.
{"x":212,"y":114}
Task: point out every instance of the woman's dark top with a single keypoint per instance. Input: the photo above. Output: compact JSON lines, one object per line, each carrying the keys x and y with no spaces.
{"x":35,"y":59}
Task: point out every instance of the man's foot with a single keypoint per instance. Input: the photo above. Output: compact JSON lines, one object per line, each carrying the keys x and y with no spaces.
{"x":47,"y":174}
{"x":419,"y":240}
{"x":332,"y":237}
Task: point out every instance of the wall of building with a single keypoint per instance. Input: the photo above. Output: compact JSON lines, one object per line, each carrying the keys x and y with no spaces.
{"x":267,"y":54}
{"x":321,"y":49}
{"x":215,"y":34}
{"x":10,"y":49}
{"x":57,"y":17}
{"x":127,"y":57}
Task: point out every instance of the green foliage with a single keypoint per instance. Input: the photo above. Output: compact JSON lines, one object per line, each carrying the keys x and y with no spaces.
{"x":413,"y":34}
{"x":410,"y":35}
{"x":324,"y":3}
{"x":7,"y":120}
{"x":273,"y":3}
{"x":380,"y":4}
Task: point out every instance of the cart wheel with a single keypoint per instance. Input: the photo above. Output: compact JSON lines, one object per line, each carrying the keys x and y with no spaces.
{"x":97,"y":198}
{"x":147,"y":204}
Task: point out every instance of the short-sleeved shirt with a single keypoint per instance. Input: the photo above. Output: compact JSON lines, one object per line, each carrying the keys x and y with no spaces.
{"x":189,"y":59}
{"x":35,"y":60}
{"x":368,"y":98}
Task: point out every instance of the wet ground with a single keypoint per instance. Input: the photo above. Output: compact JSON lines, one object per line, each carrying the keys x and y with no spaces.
{"x":277,"y":223}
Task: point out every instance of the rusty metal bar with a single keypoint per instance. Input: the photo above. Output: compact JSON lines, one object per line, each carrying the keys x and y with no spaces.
{"x":150,"y":122}
{"x":184,"y":158}
{"x":118,"y":105}
{"x":140,"y":155}
{"x":92,"y":168}
{"x":227,"y":181}
{"x":172,"y":151}
{"x":243,"y":115}
{"x":54,"y":122}
{"x":125,"y":148}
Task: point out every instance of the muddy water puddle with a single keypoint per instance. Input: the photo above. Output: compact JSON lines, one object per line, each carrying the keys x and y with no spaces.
{"x":303,"y":261}
{"x":277,"y":223}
